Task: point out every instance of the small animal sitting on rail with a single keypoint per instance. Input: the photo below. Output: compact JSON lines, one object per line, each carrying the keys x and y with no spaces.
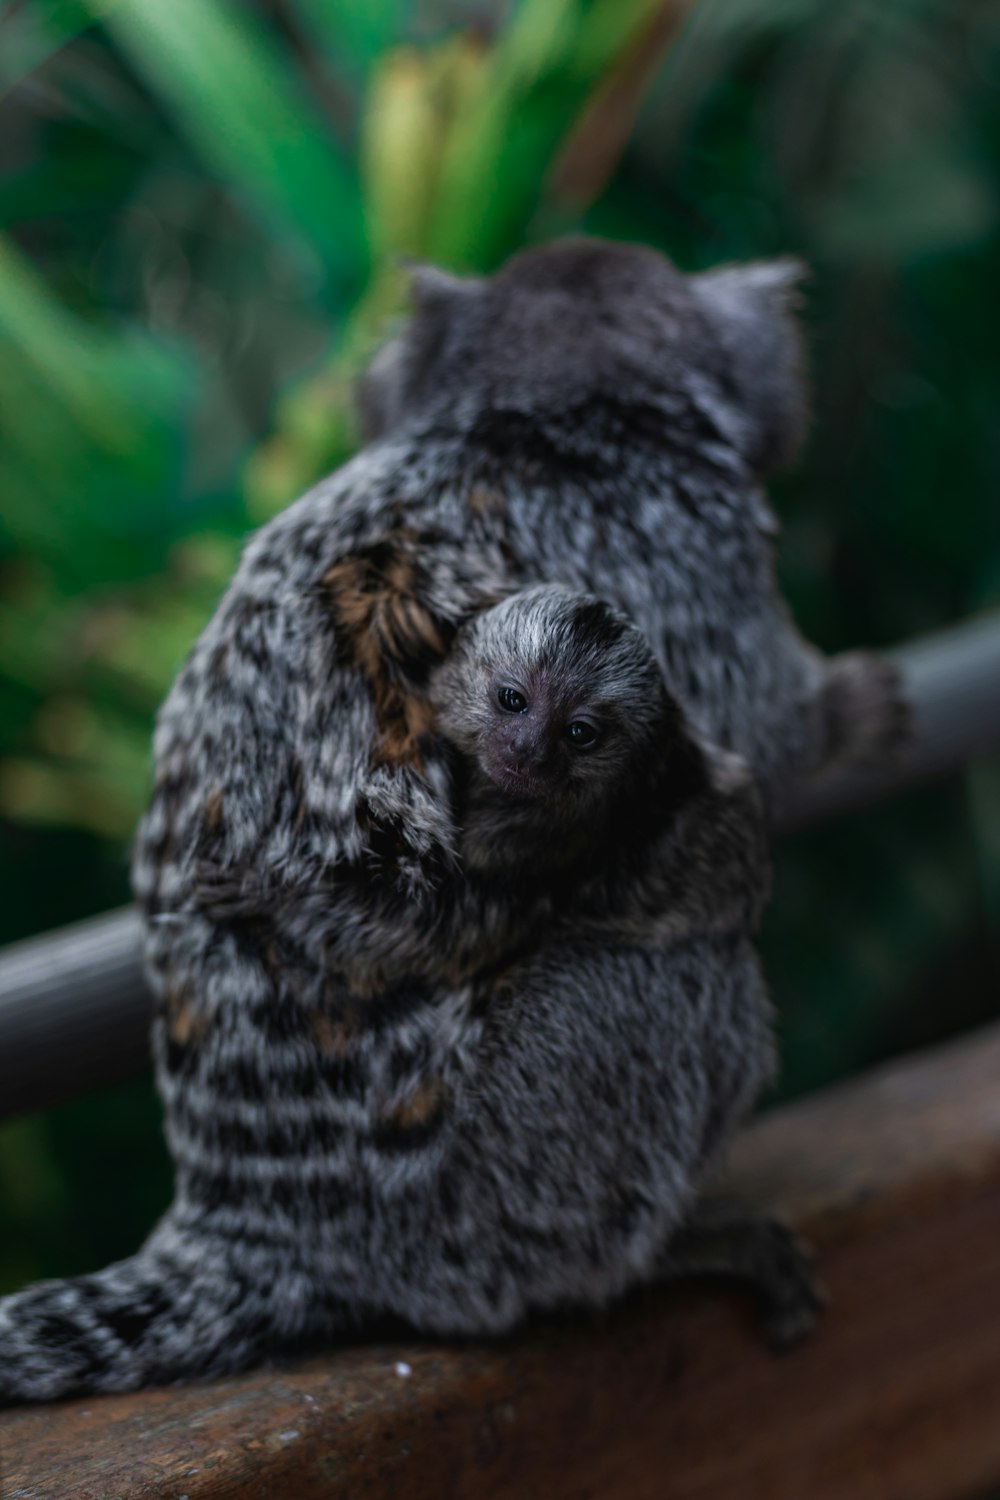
{"x":495,"y":1093}
{"x":359,"y":1127}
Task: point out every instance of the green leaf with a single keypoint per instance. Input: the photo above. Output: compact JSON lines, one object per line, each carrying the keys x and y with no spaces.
{"x":541,"y":73}
{"x":351,"y":32}
{"x":82,"y":406}
{"x":236,"y":97}
{"x":88,"y":373}
{"x":413,"y":100}
{"x":34,"y":33}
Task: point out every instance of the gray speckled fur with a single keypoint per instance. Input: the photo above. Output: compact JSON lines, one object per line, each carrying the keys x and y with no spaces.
{"x":455,"y":1152}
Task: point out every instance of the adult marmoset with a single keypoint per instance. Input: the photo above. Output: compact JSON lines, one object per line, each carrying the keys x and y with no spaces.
{"x":589,"y":417}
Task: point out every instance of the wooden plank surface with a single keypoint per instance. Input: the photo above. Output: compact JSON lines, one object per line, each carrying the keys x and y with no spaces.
{"x":671,"y":1396}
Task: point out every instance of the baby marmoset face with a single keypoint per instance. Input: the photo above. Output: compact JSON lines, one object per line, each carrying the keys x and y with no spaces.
{"x":557,"y":703}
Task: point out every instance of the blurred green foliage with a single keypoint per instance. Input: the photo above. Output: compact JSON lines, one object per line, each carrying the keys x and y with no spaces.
{"x":202,"y":203}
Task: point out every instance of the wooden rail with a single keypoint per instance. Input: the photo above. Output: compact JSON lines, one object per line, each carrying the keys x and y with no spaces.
{"x":670,"y":1396}
{"x":74,"y":1009}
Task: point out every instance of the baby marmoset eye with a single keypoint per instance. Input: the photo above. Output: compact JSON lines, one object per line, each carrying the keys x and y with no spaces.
{"x":581,"y":735}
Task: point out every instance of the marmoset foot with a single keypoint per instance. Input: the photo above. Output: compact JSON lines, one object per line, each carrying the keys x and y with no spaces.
{"x":869,"y":717}
{"x":724,"y":1239}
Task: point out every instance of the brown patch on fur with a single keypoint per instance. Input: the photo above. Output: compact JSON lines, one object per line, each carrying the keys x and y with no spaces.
{"x":212,"y":810}
{"x":483,"y":501}
{"x":186,"y":1024}
{"x":383,"y":619}
{"x":271,"y":958}
{"x":365,"y":984}
{"x":406,"y":724}
{"x":421,"y":1107}
{"x":389,"y":633}
{"x":335,"y":1036}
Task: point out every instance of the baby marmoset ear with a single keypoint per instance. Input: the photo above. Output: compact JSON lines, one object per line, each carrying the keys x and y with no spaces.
{"x":752,"y":309}
{"x":399,"y":367}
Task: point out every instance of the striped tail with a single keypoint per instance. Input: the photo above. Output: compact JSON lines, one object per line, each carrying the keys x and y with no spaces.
{"x":186,"y":1305}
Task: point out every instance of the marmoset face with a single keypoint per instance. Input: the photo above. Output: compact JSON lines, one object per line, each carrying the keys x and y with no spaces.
{"x":542,"y":730}
{"x":554,"y":695}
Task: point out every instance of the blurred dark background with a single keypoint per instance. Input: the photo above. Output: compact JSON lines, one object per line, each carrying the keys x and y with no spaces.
{"x":200,"y":206}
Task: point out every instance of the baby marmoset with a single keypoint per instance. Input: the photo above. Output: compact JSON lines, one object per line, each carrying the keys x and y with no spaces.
{"x":528,"y":1122}
{"x":576,"y":765}
{"x":558,"y":709}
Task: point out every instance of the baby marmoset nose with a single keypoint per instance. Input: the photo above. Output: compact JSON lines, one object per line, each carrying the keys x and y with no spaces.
{"x":528,"y":745}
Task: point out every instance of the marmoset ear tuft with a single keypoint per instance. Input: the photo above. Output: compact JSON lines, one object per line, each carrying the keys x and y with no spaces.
{"x":394,"y":376}
{"x":432,"y":289}
{"x":752,"y":309}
